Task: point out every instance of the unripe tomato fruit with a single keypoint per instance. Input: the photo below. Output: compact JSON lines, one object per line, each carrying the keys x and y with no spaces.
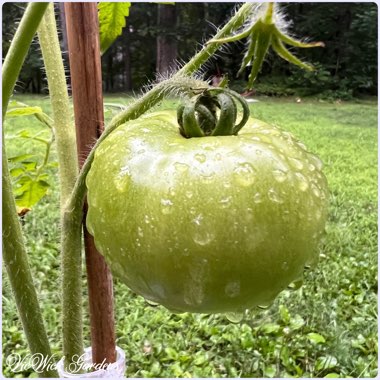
{"x":209,"y":224}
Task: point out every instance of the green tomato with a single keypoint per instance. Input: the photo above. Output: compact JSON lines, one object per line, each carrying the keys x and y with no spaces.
{"x":209,"y":224}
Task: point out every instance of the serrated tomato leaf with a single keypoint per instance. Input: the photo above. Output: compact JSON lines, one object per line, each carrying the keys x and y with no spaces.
{"x":16,"y":172}
{"x":23,"y":111}
{"x":30,"y":191}
{"x":111,"y":22}
{"x":21,"y":157}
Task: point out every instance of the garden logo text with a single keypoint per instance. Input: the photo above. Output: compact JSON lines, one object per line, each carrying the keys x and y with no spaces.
{"x":40,"y":363}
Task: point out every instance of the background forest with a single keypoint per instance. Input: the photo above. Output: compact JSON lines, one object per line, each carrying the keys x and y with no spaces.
{"x":156,"y":36}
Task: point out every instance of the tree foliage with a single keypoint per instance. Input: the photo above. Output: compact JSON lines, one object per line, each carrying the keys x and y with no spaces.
{"x":346,"y":67}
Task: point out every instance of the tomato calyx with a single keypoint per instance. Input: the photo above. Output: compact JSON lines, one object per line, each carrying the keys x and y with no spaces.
{"x":264,"y":32}
{"x":213,"y":112}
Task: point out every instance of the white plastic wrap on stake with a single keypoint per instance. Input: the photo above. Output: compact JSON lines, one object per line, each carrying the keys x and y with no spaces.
{"x":113,"y":370}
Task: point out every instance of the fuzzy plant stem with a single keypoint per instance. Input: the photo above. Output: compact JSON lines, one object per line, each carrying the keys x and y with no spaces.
{"x":64,"y":129}
{"x":14,"y":252}
{"x":72,"y":217}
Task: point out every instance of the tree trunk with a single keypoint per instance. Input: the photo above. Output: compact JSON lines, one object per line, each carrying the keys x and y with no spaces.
{"x":166,"y":40}
{"x":61,"y":11}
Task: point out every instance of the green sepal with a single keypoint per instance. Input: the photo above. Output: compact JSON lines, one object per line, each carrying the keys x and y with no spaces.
{"x":189,"y":122}
{"x":227,"y":117}
{"x":284,"y":53}
{"x":261,"y":48}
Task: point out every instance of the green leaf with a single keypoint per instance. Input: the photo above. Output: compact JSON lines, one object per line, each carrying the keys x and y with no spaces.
{"x":23,"y":111}
{"x":30,"y":192}
{"x":21,"y":157}
{"x":111,"y":22}
{"x":23,"y":133}
{"x":297,"y":322}
{"x":316,"y":338}
{"x":332,"y":375}
{"x":269,"y":328}
{"x":284,"y":313}
{"x":16,"y":172}
{"x":270,"y":371}
{"x":325,"y":362}
{"x":155,"y":369}
{"x":171,"y":353}
{"x":200,"y":359}
{"x":29,"y":166}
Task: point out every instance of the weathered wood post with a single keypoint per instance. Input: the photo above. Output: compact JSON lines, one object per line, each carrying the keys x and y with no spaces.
{"x":86,"y":82}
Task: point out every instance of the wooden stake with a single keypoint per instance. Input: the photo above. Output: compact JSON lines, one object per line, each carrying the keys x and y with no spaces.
{"x":86,"y":81}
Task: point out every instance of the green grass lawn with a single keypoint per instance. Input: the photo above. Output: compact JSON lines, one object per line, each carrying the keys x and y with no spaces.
{"x":327,"y":328}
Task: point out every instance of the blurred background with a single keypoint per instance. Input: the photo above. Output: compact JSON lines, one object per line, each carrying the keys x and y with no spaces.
{"x":159,"y":35}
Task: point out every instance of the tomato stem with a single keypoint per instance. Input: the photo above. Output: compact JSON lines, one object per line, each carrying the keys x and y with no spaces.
{"x":71,"y":265}
{"x":63,"y":125}
{"x":198,"y":118}
{"x":14,"y":252}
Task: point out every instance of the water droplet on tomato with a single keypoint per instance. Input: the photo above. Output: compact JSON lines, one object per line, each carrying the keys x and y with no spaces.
{"x":226,"y":201}
{"x":274,"y":196}
{"x":206,"y":177}
{"x":257,"y":198}
{"x":198,"y":219}
{"x":303,"y":184}
{"x":311,"y":167}
{"x":140,"y":231}
{"x":181,"y":167}
{"x":285,"y":266}
{"x":235,"y":317}
{"x":295,"y":285}
{"x":279,"y":175}
{"x":301,"y":145}
{"x":295,"y":163}
{"x":121,"y":183}
{"x":232,"y":289}
{"x":244,"y":174}
{"x":188,"y":194}
{"x":203,"y":237}
{"x":166,"y":206}
{"x":152,"y":303}
{"x":200,"y":157}
{"x":317,"y":162}
{"x":264,"y":306}
{"x":194,"y":294}
{"x":315,"y":190}
{"x":251,"y":313}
